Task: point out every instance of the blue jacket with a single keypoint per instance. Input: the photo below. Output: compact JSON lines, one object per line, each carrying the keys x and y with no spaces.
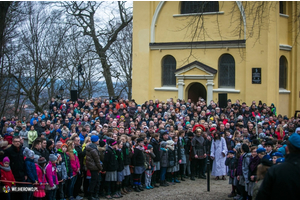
{"x":31,"y":170}
{"x":31,"y":121}
{"x":82,"y":138}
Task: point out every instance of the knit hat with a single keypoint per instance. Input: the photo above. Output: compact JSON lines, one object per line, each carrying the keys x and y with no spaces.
{"x":36,"y":158}
{"x":28,"y":153}
{"x":64,"y":144}
{"x":42,"y":160}
{"x":101,"y":143}
{"x":94,"y":138}
{"x":295,"y":140}
{"x":52,"y":157}
{"x":163,"y":144}
{"x":282,"y":149}
{"x":212,"y":129}
{"x":112,"y":142}
{"x":9,"y":130}
{"x":149,"y":147}
{"x":6,"y":159}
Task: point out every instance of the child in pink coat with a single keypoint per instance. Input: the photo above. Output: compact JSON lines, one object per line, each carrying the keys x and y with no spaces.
{"x":41,"y":173}
{"x":51,"y":177}
{"x":75,"y":165}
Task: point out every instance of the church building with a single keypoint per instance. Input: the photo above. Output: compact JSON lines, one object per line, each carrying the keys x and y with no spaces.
{"x":242,"y":50}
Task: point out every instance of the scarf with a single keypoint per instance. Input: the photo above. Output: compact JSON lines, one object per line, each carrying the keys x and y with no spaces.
{"x":254,"y":162}
{"x":182,"y":142}
{"x":7,"y":169}
{"x":75,"y":152}
{"x":140,"y":148}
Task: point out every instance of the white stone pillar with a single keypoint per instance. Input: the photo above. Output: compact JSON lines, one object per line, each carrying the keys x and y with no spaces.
{"x":209,"y":84}
{"x":180,"y":88}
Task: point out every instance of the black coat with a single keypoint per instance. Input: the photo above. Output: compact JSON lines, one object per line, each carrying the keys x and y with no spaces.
{"x":81,"y":155}
{"x":138,"y":158}
{"x":110,"y":162}
{"x":282,"y":181}
{"x":45,"y":154}
{"x":126,"y":154}
{"x":37,"y":152}
{"x":156,"y":149}
{"x":17,"y":162}
{"x":120,"y":160}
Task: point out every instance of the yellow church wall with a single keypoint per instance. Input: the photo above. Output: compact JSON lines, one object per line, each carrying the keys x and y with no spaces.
{"x":170,"y":28}
{"x":283,"y":106}
{"x":262,"y":51}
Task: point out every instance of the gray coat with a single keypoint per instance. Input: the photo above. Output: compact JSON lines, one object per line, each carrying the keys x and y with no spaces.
{"x":164,"y":160}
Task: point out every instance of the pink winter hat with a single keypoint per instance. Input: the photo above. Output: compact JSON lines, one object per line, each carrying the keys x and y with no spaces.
{"x":6,"y":159}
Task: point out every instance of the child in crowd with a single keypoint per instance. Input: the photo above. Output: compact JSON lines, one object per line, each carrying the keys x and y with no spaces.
{"x":41,"y":173}
{"x":30,"y":169}
{"x":231,"y":162}
{"x":62,"y":176}
{"x":51,"y":176}
{"x":110,"y":166}
{"x":149,"y":155}
{"x":120,"y":167}
{"x":127,"y":154}
{"x":154,"y":141}
{"x":164,"y":162}
{"x":138,"y":161}
{"x":254,"y":162}
{"x":243,"y":171}
{"x":74,"y":162}
{"x":6,"y":175}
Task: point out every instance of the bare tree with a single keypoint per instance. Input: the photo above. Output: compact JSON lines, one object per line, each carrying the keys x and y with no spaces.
{"x":121,"y":59}
{"x":103,"y":36}
{"x":40,"y":53}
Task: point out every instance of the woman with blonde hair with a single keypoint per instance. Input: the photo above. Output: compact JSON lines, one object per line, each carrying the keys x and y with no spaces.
{"x":279,"y":133}
{"x":72,"y":153}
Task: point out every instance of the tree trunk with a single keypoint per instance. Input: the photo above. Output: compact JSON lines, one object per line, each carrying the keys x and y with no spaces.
{"x":4,"y":6}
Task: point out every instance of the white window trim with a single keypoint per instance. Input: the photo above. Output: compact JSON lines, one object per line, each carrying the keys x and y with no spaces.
{"x":228,"y":90}
{"x":283,"y":15}
{"x":284,"y":91}
{"x":166,"y":88}
{"x":193,"y":14}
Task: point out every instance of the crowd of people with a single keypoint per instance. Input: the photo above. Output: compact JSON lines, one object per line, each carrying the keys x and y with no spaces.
{"x":109,"y":148}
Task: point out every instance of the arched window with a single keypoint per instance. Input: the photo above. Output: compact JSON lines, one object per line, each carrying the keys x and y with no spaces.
{"x":282,"y":72}
{"x":199,"y":6}
{"x":168,"y":71}
{"x":226,"y":71}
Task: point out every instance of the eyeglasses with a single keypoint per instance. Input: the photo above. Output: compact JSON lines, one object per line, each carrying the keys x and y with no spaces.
{"x":16,"y":141}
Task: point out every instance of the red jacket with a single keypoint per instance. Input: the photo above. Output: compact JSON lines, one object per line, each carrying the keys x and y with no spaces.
{"x":6,"y":175}
{"x":278,"y":135}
